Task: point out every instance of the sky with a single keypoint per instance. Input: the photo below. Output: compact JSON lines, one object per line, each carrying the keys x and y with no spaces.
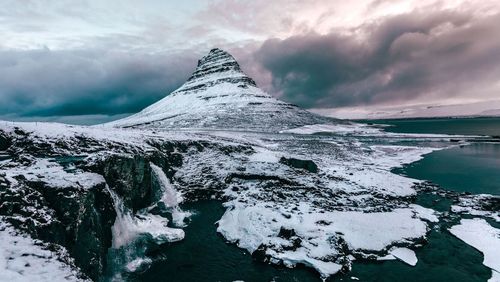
{"x":95,"y":60}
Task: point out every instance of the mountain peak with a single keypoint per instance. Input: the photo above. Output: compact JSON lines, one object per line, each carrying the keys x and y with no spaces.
{"x":216,"y":55}
{"x":220,"y":95}
{"x":216,"y":67}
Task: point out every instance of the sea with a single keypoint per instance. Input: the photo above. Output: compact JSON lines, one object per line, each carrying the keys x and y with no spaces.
{"x":474,"y":168}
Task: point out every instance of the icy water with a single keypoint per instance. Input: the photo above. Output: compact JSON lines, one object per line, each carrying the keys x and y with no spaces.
{"x":473,"y":168}
{"x":205,"y":256}
{"x":461,"y":126}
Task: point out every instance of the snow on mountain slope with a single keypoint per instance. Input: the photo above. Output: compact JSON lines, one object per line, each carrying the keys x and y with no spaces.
{"x":220,"y":95}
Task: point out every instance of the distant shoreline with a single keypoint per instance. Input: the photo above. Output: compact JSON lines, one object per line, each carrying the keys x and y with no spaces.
{"x":365,"y":120}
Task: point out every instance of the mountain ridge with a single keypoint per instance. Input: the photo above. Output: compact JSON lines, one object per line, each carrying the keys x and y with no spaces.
{"x":219,"y":95}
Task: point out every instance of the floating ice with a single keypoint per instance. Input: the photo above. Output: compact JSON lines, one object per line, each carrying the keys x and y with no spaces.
{"x":254,"y":226}
{"x":405,"y":255}
{"x":482,"y":236}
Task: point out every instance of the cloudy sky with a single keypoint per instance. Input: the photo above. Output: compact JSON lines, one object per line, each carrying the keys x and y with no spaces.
{"x":95,"y":60}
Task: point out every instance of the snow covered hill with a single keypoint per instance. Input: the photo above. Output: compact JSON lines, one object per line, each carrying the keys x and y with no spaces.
{"x":220,"y":95}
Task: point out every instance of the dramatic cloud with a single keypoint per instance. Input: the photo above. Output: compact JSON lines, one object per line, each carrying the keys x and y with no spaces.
{"x":426,"y":56}
{"x":100,"y":58}
{"x":46,"y":83}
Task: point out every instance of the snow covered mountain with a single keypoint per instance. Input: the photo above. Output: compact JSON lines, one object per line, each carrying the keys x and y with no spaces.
{"x":107,"y":203}
{"x":220,"y":95}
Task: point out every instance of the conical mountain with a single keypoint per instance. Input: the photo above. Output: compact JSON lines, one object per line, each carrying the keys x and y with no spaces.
{"x":219,"y":95}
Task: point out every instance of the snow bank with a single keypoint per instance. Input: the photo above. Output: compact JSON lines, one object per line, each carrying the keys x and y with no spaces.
{"x":54,"y":175}
{"x":342,"y":129}
{"x":24,"y":259}
{"x":364,"y":130}
{"x":253,"y":226}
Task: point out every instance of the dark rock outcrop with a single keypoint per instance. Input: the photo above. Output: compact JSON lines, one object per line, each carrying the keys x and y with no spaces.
{"x":301,"y":164}
{"x":78,"y":219}
{"x":5,"y":141}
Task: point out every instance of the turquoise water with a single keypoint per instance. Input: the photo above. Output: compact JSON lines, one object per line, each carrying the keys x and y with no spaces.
{"x":444,"y":258}
{"x":473,"y":168}
{"x":461,"y":126}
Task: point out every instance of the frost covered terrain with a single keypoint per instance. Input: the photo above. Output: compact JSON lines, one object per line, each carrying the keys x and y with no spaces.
{"x":298,"y":188}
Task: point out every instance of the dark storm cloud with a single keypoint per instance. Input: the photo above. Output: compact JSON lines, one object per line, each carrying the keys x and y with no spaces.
{"x":90,"y":82}
{"x":401,"y":58}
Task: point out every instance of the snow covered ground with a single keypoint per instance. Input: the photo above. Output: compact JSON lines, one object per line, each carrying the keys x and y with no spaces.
{"x":24,"y":259}
{"x":353,"y":207}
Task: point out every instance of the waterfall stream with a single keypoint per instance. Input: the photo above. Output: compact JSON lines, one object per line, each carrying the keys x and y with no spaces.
{"x":133,"y":233}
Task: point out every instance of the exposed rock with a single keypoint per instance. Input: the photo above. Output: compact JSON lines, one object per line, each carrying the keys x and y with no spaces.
{"x":5,"y":141}
{"x":302,"y":164}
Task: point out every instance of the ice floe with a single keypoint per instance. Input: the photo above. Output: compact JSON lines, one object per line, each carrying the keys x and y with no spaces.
{"x":405,"y":255}
{"x":252,"y":227}
{"x":478,"y":205}
{"x":482,"y":236}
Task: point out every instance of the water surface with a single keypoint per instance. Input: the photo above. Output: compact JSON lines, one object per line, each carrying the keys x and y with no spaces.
{"x":205,"y":256}
{"x":473,"y":168}
{"x":461,"y":126}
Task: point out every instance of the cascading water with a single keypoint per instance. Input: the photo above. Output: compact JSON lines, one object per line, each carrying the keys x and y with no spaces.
{"x":133,"y":233}
{"x":170,"y":198}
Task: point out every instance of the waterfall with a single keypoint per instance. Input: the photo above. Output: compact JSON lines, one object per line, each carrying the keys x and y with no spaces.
{"x":169,"y":196}
{"x":128,"y":227}
{"x":133,"y":233}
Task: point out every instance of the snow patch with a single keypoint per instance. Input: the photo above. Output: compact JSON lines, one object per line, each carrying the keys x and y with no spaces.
{"x":425,"y":213}
{"x":54,"y":175}
{"x":253,"y":226}
{"x":23,"y":259}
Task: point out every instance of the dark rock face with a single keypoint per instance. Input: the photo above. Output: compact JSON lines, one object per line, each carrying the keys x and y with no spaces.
{"x":130,"y":178}
{"x":301,"y":164}
{"x":5,"y":141}
{"x":87,"y":217}
{"x":79,"y":219}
